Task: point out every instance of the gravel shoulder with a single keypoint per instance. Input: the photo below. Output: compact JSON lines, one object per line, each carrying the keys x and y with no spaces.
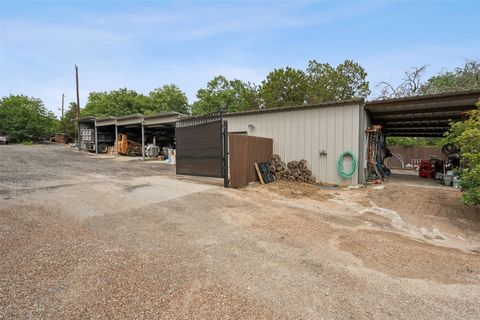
{"x":83,"y":237}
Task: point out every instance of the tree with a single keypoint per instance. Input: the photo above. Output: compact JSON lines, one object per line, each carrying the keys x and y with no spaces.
{"x":67,"y":121}
{"x":464,"y":78}
{"x":346,"y":81}
{"x":284,"y":87}
{"x":228,"y":95}
{"x":116,"y":103}
{"x":466,"y":134}
{"x":467,"y":77}
{"x":412,"y":141}
{"x":26,"y":119}
{"x":411,"y":85}
{"x":168,"y":98}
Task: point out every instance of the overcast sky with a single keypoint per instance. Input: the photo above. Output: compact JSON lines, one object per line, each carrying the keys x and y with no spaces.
{"x":143,"y":45}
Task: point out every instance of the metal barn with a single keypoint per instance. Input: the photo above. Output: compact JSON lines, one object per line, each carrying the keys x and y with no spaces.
{"x":318,"y":133}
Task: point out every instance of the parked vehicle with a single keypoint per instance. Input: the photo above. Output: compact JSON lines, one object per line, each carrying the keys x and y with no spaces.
{"x":128,"y":147}
{"x":4,"y":139}
{"x":104,"y":140}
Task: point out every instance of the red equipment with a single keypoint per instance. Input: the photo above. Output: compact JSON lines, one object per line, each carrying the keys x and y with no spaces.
{"x":425,"y":170}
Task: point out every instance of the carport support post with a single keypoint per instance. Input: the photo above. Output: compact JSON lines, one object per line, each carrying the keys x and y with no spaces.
{"x":116,"y":139}
{"x":96,"y":138}
{"x":143,"y":142}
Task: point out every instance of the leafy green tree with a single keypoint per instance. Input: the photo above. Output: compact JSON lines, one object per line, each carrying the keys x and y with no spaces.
{"x":284,"y":87}
{"x":466,"y":77}
{"x":326,"y":83}
{"x":224,"y":94}
{"x":169,"y":98}
{"x":466,"y":134}
{"x":67,"y":121}
{"x":412,"y":141}
{"x":25,"y":119}
{"x":120,"y":102}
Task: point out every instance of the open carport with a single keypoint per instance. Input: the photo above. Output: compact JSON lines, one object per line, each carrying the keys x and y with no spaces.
{"x":421,"y":116}
{"x":158,"y":129}
{"x":418,"y":116}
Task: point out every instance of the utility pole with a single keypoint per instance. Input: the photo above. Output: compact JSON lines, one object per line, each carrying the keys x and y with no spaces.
{"x":63,"y":117}
{"x":63,"y":101}
{"x":78,"y":92}
{"x":77,"y":132}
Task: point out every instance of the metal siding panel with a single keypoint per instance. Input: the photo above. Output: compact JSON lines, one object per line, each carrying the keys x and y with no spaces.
{"x":330,"y":167}
{"x":338,"y":139}
{"x":285,"y":143}
{"x":322,"y":134}
{"x":298,"y":134}
{"x":276,"y":136}
{"x":315,"y":142}
{"x":307,"y":146}
{"x":356,"y":140}
{"x":347,"y":137}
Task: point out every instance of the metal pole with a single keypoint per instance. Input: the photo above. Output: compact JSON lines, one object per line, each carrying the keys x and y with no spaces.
{"x":78,"y":92}
{"x":63,"y":119}
{"x":225,"y":152}
{"x":143,"y":142}
{"x":96,"y":138}
{"x":116,"y":139}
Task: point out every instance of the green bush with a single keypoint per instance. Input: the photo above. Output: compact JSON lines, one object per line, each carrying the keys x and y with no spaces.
{"x":470,"y":184}
{"x":467,"y":135}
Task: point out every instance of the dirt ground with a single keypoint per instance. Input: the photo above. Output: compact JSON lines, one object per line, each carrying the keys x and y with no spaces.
{"x":86,"y":237}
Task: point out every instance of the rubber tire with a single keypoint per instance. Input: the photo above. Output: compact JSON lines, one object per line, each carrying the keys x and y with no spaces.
{"x":102,"y":148}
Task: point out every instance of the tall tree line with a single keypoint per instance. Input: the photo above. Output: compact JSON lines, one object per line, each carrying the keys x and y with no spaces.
{"x":282,"y":87}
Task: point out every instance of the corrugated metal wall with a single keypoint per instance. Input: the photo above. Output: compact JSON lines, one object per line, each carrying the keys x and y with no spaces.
{"x":301,"y":134}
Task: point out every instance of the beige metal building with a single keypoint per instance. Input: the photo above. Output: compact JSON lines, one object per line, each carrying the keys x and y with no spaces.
{"x":317,"y":133}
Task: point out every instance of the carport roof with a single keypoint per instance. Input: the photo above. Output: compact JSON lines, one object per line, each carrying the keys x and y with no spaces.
{"x":139,"y":119}
{"x":421,"y":116}
{"x":85,"y":120}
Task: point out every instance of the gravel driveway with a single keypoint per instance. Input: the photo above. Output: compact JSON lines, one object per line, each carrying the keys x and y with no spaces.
{"x":84,"y":237}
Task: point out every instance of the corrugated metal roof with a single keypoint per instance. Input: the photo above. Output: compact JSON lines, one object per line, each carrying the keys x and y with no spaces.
{"x":419,"y":98}
{"x":132,"y":119}
{"x":285,"y":109}
{"x":427,"y":115}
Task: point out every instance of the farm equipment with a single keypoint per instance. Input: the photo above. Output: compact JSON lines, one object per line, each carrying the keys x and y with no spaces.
{"x":127,"y":147}
{"x":105,"y":140}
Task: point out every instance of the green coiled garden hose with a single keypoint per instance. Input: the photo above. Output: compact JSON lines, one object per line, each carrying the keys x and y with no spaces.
{"x":346,"y":174}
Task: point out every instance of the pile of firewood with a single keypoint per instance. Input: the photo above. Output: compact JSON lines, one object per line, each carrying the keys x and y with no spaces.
{"x":292,"y":171}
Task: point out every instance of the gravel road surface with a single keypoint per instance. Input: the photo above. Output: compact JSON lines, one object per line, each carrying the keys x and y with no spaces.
{"x":85,"y":237}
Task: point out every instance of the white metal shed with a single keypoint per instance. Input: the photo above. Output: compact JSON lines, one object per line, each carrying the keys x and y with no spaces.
{"x":318,"y":133}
